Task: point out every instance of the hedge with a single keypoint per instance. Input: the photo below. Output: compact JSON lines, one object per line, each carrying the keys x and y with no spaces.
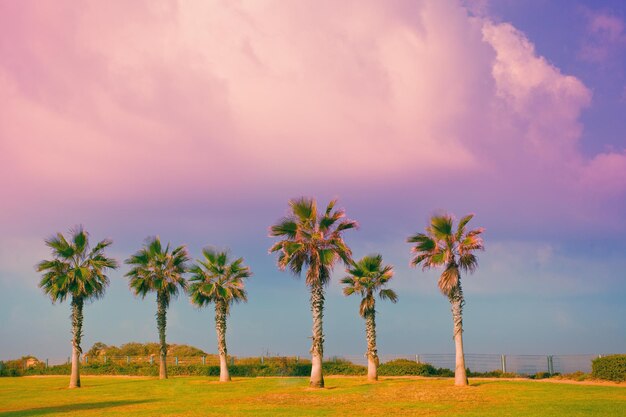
{"x":612,"y":368}
{"x":400,"y":367}
{"x":244,"y":370}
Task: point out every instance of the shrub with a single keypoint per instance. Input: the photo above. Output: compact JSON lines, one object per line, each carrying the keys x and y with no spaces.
{"x":142,"y":349}
{"x":497,"y":373}
{"x":341,"y":367}
{"x":612,"y":368}
{"x":542,"y":375}
{"x":400,"y":367}
{"x":19,"y":367}
{"x":575,"y":376}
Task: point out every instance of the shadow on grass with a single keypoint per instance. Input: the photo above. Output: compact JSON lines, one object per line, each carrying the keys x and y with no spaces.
{"x":42,"y":411}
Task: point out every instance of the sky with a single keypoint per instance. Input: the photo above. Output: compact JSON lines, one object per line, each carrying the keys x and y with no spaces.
{"x":198,"y":120}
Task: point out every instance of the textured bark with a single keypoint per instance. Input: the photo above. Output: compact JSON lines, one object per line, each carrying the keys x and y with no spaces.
{"x":161,"y":324}
{"x":220,"y":328}
{"x":317,"y":346}
{"x":77,"y":334}
{"x":457,"y":301}
{"x":372,"y":351}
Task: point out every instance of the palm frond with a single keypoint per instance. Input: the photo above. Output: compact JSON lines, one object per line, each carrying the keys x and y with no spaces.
{"x":79,"y":238}
{"x":449,"y":279}
{"x":388,"y":294}
{"x":330,"y":206}
{"x":347,"y":225}
{"x":441,"y":226}
{"x":468,"y":262}
{"x":368,"y":304}
{"x":305,"y":209}
{"x":460,"y":231}
{"x":423,"y":243}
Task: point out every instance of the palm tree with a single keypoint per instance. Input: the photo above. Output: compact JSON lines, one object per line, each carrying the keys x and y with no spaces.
{"x":368,"y":277}
{"x":157,"y":269}
{"x":76,"y":270}
{"x":441,"y":245}
{"x":313,"y":242}
{"x":215,"y":279}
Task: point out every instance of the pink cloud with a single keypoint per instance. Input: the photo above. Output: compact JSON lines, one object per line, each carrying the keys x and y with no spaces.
{"x":605,"y":36}
{"x":120,"y":101}
{"x":605,"y":173}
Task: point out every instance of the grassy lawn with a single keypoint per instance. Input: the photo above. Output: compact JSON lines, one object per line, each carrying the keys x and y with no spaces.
{"x":344,"y":396}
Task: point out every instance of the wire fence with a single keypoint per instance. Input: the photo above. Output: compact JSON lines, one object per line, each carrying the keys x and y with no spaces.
{"x":517,"y":364}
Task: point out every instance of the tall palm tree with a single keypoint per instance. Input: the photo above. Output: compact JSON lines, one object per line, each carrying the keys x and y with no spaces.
{"x":442,"y":245}
{"x":157,"y":269}
{"x":367,"y":278}
{"x":76,"y":270}
{"x":313,"y":242}
{"x":215,"y":279}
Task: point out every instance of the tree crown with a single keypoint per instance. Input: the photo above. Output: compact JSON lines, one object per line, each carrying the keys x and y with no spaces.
{"x":75,"y":269}
{"x":369,"y":277}
{"x":216,"y":278}
{"x":156,"y":268}
{"x":310,"y":240}
{"x":442,"y":245}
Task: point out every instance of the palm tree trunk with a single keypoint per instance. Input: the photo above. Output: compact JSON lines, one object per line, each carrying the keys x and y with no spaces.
{"x":317,"y":347}
{"x":220,"y":328}
{"x":372,"y":351}
{"x":77,"y":334}
{"x":161,"y":324}
{"x":457,"y":301}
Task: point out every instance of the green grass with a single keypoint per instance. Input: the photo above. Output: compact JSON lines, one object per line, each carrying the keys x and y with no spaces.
{"x":344,"y":396}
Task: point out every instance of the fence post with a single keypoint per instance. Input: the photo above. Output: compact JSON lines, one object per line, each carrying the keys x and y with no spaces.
{"x":86,"y":360}
{"x":503,"y":358}
{"x":417,"y":358}
{"x":127,"y":360}
{"x":550,"y":364}
{"x":176,"y":358}
{"x":261,"y":359}
{"x":204,"y":360}
{"x":105,"y":359}
{"x":46,"y":363}
{"x":297,"y":358}
{"x":151,"y":359}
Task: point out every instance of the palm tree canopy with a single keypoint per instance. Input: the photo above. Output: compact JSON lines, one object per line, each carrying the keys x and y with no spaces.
{"x":76,"y":268}
{"x":217,"y":278}
{"x":311,"y":240}
{"x":442,"y":245}
{"x":158,"y":269}
{"x":367,"y":278}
